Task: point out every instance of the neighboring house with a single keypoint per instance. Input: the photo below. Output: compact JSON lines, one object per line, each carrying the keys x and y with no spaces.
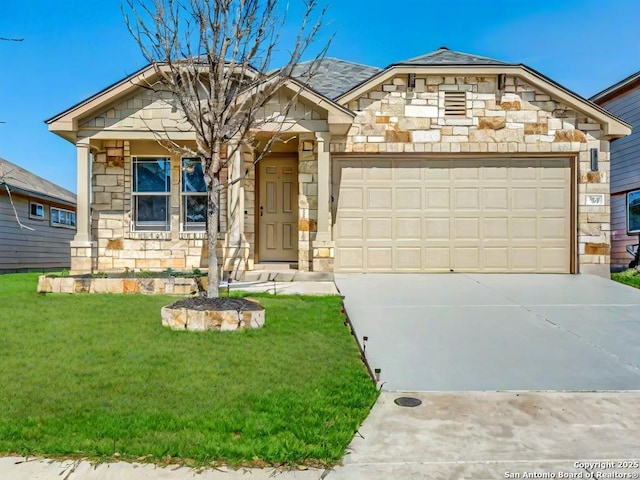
{"x":37,"y":221}
{"x":444,"y":162}
{"x":623,"y":100}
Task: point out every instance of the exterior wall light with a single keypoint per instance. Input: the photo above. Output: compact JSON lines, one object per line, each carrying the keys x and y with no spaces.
{"x":594,"y":159}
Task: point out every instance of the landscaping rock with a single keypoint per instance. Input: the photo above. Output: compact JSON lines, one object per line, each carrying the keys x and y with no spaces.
{"x":224,"y":314}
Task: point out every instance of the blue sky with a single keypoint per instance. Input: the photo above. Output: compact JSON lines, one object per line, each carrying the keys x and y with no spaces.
{"x":74,"y":48}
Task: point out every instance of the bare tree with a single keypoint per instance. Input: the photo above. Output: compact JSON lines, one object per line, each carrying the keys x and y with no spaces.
{"x":5,"y":178}
{"x":212,"y":56}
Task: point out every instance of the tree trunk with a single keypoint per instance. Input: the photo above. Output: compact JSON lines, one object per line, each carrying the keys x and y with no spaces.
{"x":213,"y":216}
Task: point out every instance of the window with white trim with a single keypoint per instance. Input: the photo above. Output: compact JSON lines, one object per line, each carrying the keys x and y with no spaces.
{"x":62,"y":218}
{"x":151,"y":194}
{"x":194,"y":196}
{"x":36,"y":211}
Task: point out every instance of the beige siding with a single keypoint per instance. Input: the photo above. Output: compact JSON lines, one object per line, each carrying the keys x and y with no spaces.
{"x":45,"y":247}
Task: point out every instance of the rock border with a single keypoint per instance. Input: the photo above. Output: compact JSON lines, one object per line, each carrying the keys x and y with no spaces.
{"x":148,"y":286}
{"x":179,"y":318}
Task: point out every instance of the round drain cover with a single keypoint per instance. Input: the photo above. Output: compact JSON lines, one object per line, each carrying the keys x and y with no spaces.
{"x":407,"y":401}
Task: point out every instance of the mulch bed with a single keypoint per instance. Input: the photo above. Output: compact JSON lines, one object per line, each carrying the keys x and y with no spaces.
{"x":217,"y":304}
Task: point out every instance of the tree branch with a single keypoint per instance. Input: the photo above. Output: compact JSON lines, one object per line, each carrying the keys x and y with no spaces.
{"x":213,"y":57}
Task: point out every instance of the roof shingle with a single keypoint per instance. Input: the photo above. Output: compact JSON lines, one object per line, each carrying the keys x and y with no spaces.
{"x":444,"y":56}
{"x":21,"y":179}
{"x":334,"y":76}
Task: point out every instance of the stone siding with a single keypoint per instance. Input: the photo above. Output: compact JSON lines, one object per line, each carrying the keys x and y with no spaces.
{"x":499,"y":117}
{"x":307,"y":200}
{"x":144,"y":110}
{"x":118,"y":246}
{"x":151,"y":286}
{"x":516,"y":120}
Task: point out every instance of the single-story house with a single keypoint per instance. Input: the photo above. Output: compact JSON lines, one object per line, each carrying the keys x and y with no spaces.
{"x":37,"y":221}
{"x":447,"y":162}
{"x":623,"y":100}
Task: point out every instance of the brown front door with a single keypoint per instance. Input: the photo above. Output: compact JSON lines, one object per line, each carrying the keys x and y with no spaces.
{"x":278,"y":210}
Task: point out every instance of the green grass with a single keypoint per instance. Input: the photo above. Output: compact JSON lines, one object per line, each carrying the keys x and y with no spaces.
{"x":628,"y":277}
{"x":91,"y":375}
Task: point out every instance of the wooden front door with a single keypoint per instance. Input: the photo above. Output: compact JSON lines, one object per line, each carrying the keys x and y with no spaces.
{"x":278,"y":210}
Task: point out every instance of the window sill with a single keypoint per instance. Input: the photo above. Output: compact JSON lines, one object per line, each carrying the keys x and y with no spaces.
{"x":193,"y":235}
{"x":150,"y":235}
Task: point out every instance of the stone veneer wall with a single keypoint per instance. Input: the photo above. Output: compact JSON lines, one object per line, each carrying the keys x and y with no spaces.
{"x":145,"y":109}
{"x":519,"y":120}
{"x":307,"y":201}
{"x":117,"y":247}
{"x":515,"y":121}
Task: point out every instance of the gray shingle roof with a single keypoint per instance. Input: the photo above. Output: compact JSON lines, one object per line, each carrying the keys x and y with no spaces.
{"x":444,"y":56}
{"x":334,"y":76}
{"x":27,"y":182}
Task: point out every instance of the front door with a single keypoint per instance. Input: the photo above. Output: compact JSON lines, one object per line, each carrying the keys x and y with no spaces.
{"x":278,"y":210}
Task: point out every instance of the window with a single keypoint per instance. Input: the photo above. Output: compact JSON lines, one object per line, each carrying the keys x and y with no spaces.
{"x":194,"y":195}
{"x":151,"y":193}
{"x":36,"y":210}
{"x":62,"y":218}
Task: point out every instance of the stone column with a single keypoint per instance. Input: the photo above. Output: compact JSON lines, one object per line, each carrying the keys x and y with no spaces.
{"x":81,"y":245}
{"x":323,"y":247}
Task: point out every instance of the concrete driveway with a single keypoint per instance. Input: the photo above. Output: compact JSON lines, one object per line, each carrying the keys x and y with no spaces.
{"x":475,"y":332}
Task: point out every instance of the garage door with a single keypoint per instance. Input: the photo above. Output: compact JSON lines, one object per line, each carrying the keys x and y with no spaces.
{"x":467,"y":215}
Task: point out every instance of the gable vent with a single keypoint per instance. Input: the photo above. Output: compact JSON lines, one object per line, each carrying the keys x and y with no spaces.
{"x":455,"y":104}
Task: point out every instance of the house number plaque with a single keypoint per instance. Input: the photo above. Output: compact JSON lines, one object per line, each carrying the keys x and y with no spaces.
{"x":595,"y":199}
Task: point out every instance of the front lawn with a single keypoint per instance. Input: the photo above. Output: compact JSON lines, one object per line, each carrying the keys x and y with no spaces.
{"x":92,"y":375}
{"x":628,"y":277}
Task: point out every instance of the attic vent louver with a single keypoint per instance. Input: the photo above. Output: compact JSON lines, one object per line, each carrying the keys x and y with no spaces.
{"x":455,"y":104}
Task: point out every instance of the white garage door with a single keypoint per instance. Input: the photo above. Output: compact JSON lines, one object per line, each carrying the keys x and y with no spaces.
{"x":468,"y":215}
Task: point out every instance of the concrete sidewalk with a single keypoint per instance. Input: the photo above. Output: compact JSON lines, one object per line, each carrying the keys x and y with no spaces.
{"x":284,"y":288}
{"x":479,"y":435}
{"x":17,"y":468}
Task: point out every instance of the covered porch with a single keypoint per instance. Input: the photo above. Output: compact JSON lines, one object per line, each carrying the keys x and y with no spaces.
{"x":274,"y":211}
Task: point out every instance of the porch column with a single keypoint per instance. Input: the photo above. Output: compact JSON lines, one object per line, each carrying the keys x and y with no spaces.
{"x":81,"y":245}
{"x":324,"y":181}
{"x":323,"y":250}
{"x":236,"y":248}
{"x":235,"y":198}
{"x":83,"y":179}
